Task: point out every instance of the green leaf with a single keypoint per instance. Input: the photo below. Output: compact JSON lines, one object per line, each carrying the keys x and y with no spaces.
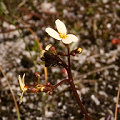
{"x":3,"y":7}
{"x":35,"y":46}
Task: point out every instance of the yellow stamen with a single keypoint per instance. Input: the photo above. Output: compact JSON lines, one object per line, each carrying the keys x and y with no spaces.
{"x":63,"y":36}
{"x":42,"y":88}
{"x":25,"y":88}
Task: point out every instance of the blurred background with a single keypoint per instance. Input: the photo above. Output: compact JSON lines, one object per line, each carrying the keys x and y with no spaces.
{"x":96,"y":71}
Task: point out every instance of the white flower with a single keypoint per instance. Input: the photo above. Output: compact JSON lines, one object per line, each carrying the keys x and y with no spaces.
{"x":22,"y":84}
{"x":23,"y":88}
{"x":62,"y":33}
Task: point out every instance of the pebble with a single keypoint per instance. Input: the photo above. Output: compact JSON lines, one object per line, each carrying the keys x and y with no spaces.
{"x":97,"y":102}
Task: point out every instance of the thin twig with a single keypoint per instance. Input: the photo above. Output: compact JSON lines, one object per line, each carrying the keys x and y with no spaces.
{"x":65,"y":80}
{"x":45,"y":72}
{"x":117,"y":102}
{"x":16,"y":106}
{"x":11,"y":30}
{"x":35,"y":36}
{"x":37,"y":40}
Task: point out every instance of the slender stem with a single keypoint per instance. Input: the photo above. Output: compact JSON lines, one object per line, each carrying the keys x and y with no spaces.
{"x":73,"y":87}
{"x":65,"y":80}
{"x":62,"y":63}
{"x":12,"y":93}
{"x":45,"y":71}
{"x":117,"y":103}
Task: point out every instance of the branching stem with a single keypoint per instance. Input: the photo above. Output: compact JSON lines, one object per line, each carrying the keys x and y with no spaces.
{"x":73,"y":87}
{"x":65,"y":80}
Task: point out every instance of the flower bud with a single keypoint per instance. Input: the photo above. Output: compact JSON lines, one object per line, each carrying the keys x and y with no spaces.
{"x":64,"y":71}
{"x":48,"y":84}
{"x":37,"y":75}
{"x":72,"y":53}
{"x":50,"y":93}
{"x":52,"y":48}
{"x":79,"y":50}
{"x":76,"y":51}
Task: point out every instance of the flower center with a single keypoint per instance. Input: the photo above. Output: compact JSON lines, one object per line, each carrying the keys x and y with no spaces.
{"x":23,"y":88}
{"x":63,"y":36}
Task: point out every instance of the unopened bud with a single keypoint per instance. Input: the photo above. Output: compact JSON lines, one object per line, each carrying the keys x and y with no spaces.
{"x":37,"y":75}
{"x":64,"y":71}
{"x":76,"y":51}
{"x":52,"y":48}
{"x":50,"y":93}
{"x":48,"y":83}
{"x":79,"y":50}
{"x":73,"y":53}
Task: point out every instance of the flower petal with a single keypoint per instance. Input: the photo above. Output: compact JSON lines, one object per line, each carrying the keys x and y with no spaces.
{"x":42,"y":53}
{"x":73,"y":37}
{"x":21,"y":84}
{"x":48,"y":47}
{"x":23,"y":78}
{"x":69,"y":39}
{"x":53,"y":33}
{"x":61,"y":27}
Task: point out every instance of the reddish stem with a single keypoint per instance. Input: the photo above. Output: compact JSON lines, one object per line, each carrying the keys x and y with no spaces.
{"x":74,"y":89}
{"x":65,"y":80}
